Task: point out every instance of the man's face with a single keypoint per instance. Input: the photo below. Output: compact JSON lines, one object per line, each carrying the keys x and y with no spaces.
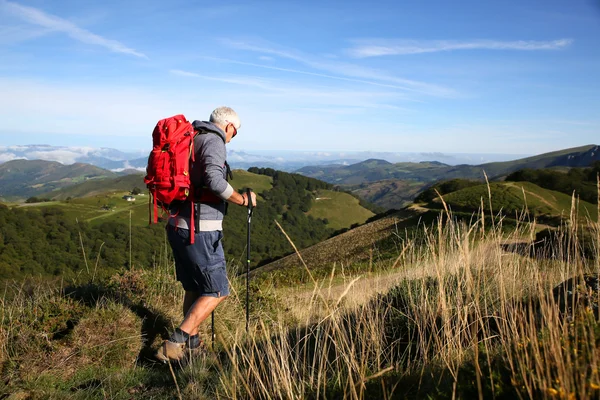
{"x":230,"y":131}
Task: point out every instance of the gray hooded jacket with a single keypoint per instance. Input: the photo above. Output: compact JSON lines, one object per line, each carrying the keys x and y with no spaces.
{"x":208,"y":174}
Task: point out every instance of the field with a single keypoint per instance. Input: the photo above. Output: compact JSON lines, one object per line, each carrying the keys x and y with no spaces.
{"x":101,"y":201}
{"x":452,"y":313}
{"x":341,"y":209}
{"x":245,"y":179}
{"x":513,"y":197}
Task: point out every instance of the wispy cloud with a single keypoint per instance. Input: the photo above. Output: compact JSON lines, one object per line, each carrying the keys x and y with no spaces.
{"x":303,"y":96}
{"x":374,"y":48}
{"x":185,"y":73}
{"x":340,"y":70}
{"x":56,"y":24}
{"x":235,"y":80}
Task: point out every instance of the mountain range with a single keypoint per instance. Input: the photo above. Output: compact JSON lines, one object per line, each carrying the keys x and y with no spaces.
{"x":386,"y":184}
{"x":117,"y":160}
{"x":394,"y":185}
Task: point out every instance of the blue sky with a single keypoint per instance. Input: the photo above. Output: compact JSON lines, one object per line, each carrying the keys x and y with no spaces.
{"x":517,"y":77}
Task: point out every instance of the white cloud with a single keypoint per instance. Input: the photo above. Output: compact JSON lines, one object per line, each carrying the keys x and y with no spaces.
{"x":8,"y":156}
{"x":126,"y":165}
{"x":375,"y":48}
{"x":62,"y":156}
{"x":56,"y":24}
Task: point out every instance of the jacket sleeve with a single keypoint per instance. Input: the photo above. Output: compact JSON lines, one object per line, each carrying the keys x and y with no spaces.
{"x":213,"y":155}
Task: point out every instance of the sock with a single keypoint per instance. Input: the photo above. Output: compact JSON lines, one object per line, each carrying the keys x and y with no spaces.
{"x":194,"y":341}
{"x":179,"y":336}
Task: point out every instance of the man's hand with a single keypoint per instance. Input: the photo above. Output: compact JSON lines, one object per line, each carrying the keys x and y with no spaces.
{"x":252,"y":197}
{"x":242,"y":199}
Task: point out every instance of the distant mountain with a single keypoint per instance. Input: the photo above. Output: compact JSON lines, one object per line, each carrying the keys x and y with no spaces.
{"x":391,"y":193}
{"x":25,"y":178}
{"x":376,"y":170}
{"x":100,"y":157}
{"x":392,"y":185}
{"x":282,"y":160}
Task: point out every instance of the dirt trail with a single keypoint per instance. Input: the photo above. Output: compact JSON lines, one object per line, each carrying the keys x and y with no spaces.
{"x":537,"y":196}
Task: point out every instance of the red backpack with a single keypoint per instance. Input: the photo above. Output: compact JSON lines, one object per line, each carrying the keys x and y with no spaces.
{"x":168,"y":169}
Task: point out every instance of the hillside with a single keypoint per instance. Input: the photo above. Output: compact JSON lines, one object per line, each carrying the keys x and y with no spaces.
{"x":374,"y":170}
{"x":513,"y":197}
{"x":341,"y":210}
{"x":25,"y":178}
{"x":394,"y":185}
{"x":347,"y":249}
{"x":99,"y":186}
{"x":391,"y":193}
{"x":102,"y":206}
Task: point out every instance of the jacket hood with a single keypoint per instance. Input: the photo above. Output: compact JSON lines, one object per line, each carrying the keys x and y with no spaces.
{"x":205,"y":126}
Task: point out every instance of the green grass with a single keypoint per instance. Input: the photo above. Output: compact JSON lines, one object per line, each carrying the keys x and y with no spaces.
{"x":89,"y":209}
{"x":513,"y":197}
{"x":87,"y":199}
{"x":244,"y":179}
{"x":99,"y":186}
{"x":341,"y":209}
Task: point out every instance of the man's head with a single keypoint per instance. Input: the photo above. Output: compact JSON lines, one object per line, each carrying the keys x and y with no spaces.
{"x":226,"y":119}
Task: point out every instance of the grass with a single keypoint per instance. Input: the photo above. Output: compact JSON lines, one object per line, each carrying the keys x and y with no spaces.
{"x":109,"y":206}
{"x":87,"y":200}
{"x":340,"y":209}
{"x":244,"y":179}
{"x":513,"y":197}
{"x":453,"y":313}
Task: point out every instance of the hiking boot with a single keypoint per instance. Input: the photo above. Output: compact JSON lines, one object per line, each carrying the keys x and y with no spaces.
{"x":171,"y":351}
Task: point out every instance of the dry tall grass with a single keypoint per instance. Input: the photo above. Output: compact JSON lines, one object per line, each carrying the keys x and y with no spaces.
{"x":465,"y":310}
{"x":470,"y":307}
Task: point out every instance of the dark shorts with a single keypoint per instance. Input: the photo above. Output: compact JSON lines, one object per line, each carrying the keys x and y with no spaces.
{"x":200,"y":267}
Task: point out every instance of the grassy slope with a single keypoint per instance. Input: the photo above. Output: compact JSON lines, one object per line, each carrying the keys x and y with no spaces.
{"x":244,"y":179}
{"x":91,"y":188}
{"x":88,"y":198}
{"x":349,"y":247}
{"x":510,"y":197}
{"x":341,"y":209}
{"x":393,"y":193}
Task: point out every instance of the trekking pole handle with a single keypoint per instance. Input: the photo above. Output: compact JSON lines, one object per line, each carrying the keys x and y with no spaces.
{"x":249,"y":197}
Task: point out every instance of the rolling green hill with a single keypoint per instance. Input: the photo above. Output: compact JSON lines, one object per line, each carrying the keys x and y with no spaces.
{"x":100,"y":206}
{"x":376,"y":170}
{"x":340,"y":209}
{"x":379,"y":180}
{"x":98,"y":187}
{"x":391,"y":193}
{"x":26,"y":178}
{"x":513,"y":197}
{"x":245,"y":179}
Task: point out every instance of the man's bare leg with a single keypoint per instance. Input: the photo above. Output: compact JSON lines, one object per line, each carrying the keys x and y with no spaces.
{"x":198,"y":312}
{"x":188,"y":300}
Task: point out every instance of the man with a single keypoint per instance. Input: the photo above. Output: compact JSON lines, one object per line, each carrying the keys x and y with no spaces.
{"x":200,"y":267}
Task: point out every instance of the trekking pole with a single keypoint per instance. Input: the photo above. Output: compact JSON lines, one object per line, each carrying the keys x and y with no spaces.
{"x":248,"y":192}
{"x":212,"y":328}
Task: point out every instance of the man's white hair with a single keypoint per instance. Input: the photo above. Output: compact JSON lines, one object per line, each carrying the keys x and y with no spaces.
{"x":225,"y":115}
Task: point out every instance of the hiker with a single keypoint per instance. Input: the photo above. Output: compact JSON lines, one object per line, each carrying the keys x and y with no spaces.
{"x":200,"y":267}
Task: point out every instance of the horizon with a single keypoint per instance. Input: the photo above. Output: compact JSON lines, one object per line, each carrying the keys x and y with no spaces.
{"x":281,"y":159}
{"x":460,"y":78}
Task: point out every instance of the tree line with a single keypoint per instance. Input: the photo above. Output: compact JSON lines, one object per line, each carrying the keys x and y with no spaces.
{"x":581,"y":181}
